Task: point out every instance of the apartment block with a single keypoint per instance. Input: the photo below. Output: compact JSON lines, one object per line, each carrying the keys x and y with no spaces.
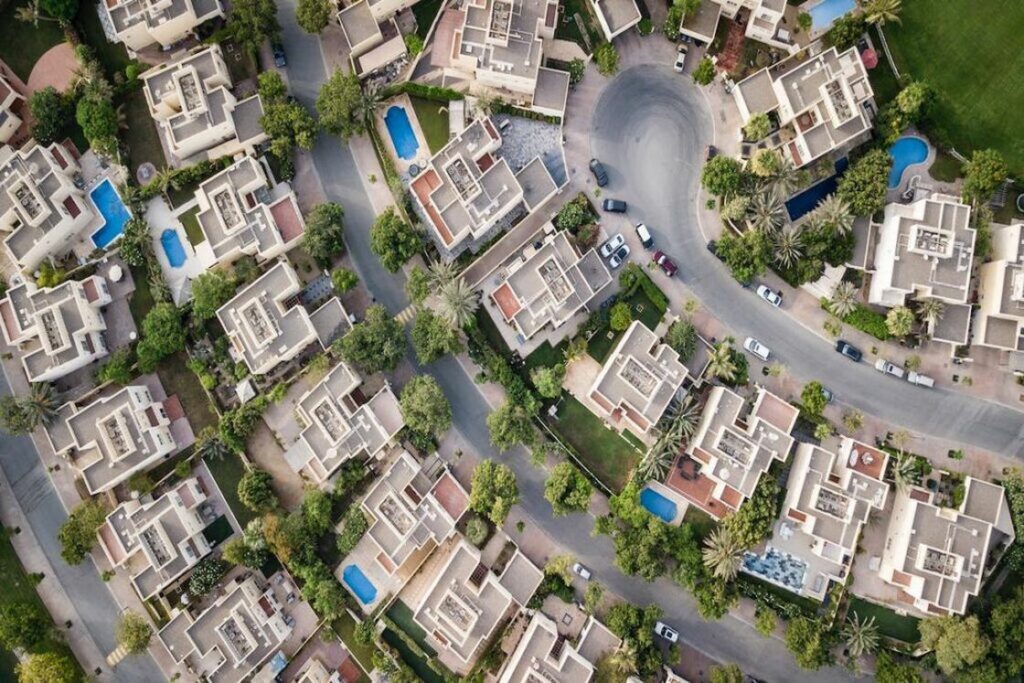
{"x":143,"y":23}
{"x":765,"y":21}
{"x":616,"y":16}
{"x":12,"y":106}
{"x":114,"y":437}
{"x":735,"y":444}
{"x":340,"y":423}
{"x":544,"y":654}
{"x":158,"y":541}
{"x":58,"y":329}
{"x":372,"y":33}
{"x":638,"y":381}
{"x":937,"y":556}
{"x":242,"y":213}
{"x":1000,"y":320}
{"x":546,"y":286}
{"x":823,"y":104}
{"x":195,"y":110}
{"x":42,"y":212}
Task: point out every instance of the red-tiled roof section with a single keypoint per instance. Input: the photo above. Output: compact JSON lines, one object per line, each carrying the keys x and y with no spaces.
{"x":776,"y":412}
{"x":72,"y":206}
{"x":901,"y":579}
{"x":506,"y":300}
{"x":110,"y":541}
{"x":451,"y":496}
{"x":918,"y":494}
{"x":172,"y":406}
{"x":732,"y":497}
{"x":875,"y":468}
{"x":485,"y":162}
{"x":422,"y":187}
{"x":91,"y":293}
{"x":288,"y":219}
{"x":349,"y":671}
{"x":697,"y":489}
{"x":9,"y":319}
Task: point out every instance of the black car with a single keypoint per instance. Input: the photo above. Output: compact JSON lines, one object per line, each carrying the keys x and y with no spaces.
{"x":280,"y":61}
{"x":849,"y":350}
{"x":614,"y":205}
{"x":711,"y":153}
{"x":597,"y":168}
{"x":713,"y":247}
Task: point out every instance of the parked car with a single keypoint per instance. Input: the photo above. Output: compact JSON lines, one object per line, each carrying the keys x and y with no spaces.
{"x":680,"y":57}
{"x":645,"y":235}
{"x":609,"y":247}
{"x":713,"y":247}
{"x":582,"y":571}
{"x":665,"y":631}
{"x":710,"y":153}
{"x":600,"y":175}
{"x":757,"y":348}
{"x":665,"y":263}
{"x":849,"y":350}
{"x":887,"y":368}
{"x":769,"y":295}
{"x":920,"y":380}
{"x":280,"y":60}
{"x":618,"y":257}
{"x":614,"y":205}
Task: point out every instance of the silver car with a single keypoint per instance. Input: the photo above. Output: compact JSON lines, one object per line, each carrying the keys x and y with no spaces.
{"x":618,"y":257}
{"x":609,"y":247}
{"x":769,"y":295}
{"x":757,"y":348}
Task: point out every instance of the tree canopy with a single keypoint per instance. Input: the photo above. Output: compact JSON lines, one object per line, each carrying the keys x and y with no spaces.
{"x":424,"y":406}
{"x":808,"y":640}
{"x":211,"y":290}
{"x":162,"y":335}
{"x":983,"y":174}
{"x":958,"y":642}
{"x":493,"y":491}
{"x":256,"y":492}
{"x":567,"y":489}
{"x":284,"y":120}
{"x":133,"y":633}
{"x":393,"y":240}
{"x":340,"y":105}
{"x":253,"y":21}
{"x":511,"y":424}
{"x":813,"y":398}
{"x":863,"y":187}
{"x":50,"y":114}
{"x":23,"y":625}
{"x":324,"y":237}
{"x":432,"y":337}
{"x":607,"y":59}
{"x":77,"y":535}
{"x":747,"y":256}
{"x":377,"y":344}
{"x":548,"y":380}
{"x":48,"y":667}
{"x":313,"y":15}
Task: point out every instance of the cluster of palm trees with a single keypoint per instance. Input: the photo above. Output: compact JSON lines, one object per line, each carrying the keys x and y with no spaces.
{"x":722,"y":362}
{"x":456,"y":301}
{"x":39,"y":408}
{"x":674,"y":431}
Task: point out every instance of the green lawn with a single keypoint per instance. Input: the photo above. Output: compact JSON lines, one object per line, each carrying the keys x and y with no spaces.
{"x":241,"y":63}
{"x":491,"y":332}
{"x":345,"y":627}
{"x":701,"y":521}
{"x":425,"y":12}
{"x":178,"y":379}
{"x":545,"y":355}
{"x":433,"y":118}
{"x":603,"y":451}
{"x":142,"y":298}
{"x":21,"y":44}
{"x":970,"y":54}
{"x":945,"y":167}
{"x":228,"y":471}
{"x":569,"y":30}
{"x":889,"y":623}
{"x":141,"y":137}
{"x":191,"y":224}
{"x":112,"y":56}
{"x":602,"y":343}
{"x":883,"y":80}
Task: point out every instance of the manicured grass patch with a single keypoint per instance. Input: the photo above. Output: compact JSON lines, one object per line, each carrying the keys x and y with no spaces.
{"x":971,"y":57}
{"x":491,"y":332}
{"x":190,"y":222}
{"x":345,"y":627}
{"x":883,"y":80}
{"x":112,"y":56}
{"x":603,"y":451}
{"x":142,"y":298}
{"x":241,"y":63}
{"x":402,"y":616}
{"x":178,"y":379}
{"x":889,"y":623}
{"x":545,"y":355}
{"x":141,"y":136}
{"x":945,"y":167}
{"x":702,"y":522}
{"x":433,"y":118}
{"x":181,"y":195}
{"x":568,"y":29}
{"x":865,"y":320}
{"x":425,"y":12}
{"x":415,"y":662}
{"x":227,"y":472}
{"x":21,"y":44}
{"x":644,"y":310}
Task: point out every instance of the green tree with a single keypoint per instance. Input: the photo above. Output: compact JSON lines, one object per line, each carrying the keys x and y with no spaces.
{"x":766,"y":163}
{"x":753,"y":522}
{"x":316,"y":511}
{"x":393,"y":240}
{"x":77,"y":535}
{"x":354,"y":526}
{"x":983,"y":174}
{"x":607,"y":59}
{"x":48,"y":667}
{"x":424,"y":406}
{"x":14,"y":418}
{"x":340,"y":105}
{"x":377,"y":344}
{"x":889,"y":670}
{"x":288,"y":124}
{"x":682,"y":337}
{"x":726,"y":673}
{"x":414,"y":44}
{"x":476,"y":531}
{"x":620,"y":316}
{"x":844,"y":299}
{"x":247,"y":551}
{"x":722,"y":176}
{"x":813,"y":398}
{"x":63,"y":11}
{"x":457,"y":303}
{"x":747,"y":256}
{"x":705,"y":71}
{"x":758,"y":126}
{"x":765,"y":620}
{"x":324,"y":236}
{"x":577,"y":68}
{"x":133,"y":633}
{"x":206,"y":575}
{"x":592,"y":596}
{"x":118,"y":368}
{"x":41,"y":405}
{"x":493,"y":491}
{"x":881,"y":12}
{"x":722,"y":362}
{"x":846,"y":31}
{"x":432,"y":337}
{"x":417,"y":285}
{"x":50,"y":115}
{"x":572,"y":215}
{"x":253,"y":21}
{"x":210,"y":290}
{"x":567,"y":489}
{"x":722,"y":553}
{"x":509,"y":426}
{"x":958,"y":642}
{"x":162,"y":335}
{"x":344,"y":280}
{"x":899,"y":321}
{"x":635,"y":626}
{"x":255,"y":490}
{"x":861,"y":635}
{"x":767,"y":213}
{"x":548,"y":380}
{"x":863,"y":187}
{"x":313,"y":15}
{"x":97,"y":117}
{"x":807,"y":639}
{"x":23,"y":625}
{"x":804,"y":21}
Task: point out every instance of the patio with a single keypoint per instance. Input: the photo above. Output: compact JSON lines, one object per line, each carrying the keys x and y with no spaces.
{"x":160,"y":218}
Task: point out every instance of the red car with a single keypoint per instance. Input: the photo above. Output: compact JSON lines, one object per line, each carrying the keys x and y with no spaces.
{"x":665,"y":263}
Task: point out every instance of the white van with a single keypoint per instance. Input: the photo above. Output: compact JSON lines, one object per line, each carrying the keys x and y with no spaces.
{"x":645,"y":235}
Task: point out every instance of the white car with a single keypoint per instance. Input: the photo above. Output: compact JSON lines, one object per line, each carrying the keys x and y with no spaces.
{"x":757,"y":348}
{"x":680,"y":57}
{"x":665,"y":631}
{"x":618,"y":257}
{"x":887,"y":368}
{"x":772,"y":297}
{"x":609,"y":247}
{"x":582,"y":571}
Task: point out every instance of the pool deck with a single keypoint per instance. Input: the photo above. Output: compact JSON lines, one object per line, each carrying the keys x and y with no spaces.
{"x":160,"y":217}
{"x":681,"y":503}
{"x":422,"y":154}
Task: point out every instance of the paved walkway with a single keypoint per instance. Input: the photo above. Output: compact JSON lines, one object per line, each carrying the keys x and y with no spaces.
{"x":56,"y":67}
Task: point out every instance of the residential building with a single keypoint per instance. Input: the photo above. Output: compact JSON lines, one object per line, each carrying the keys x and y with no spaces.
{"x":544,"y":654}
{"x":41,"y":209}
{"x":339,"y":423}
{"x":496,"y":49}
{"x":58,"y":329}
{"x":468,"y":190}
{"x":244,"y":626}
{"x":733,"y":447}
{"x":547,"y":285}
{"x":12,"y":106}
{"x":315,"y":671}
{"x":638,"y":381}
{"x":265,"y":322}
{"x":765,"y":21}
{"x":114,"y":437}
{"x":142,"y":23}
{"x":1000,"y":317}
{"x":937,"y":556}
{"x":829,"y":496}
{"x":823,"y":104}
{"x":616,"y":16}
{"x":195,"y":110}
{"x":463,"y":606}
{"x":372,"y":33}
{"x":158,"y":541}
{"x":242,"y":213}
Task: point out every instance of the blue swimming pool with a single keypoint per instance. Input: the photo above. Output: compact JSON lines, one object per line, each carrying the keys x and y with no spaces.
{"x":106,"y":200}
{"x":400,"y":130}
{"x":357,"y":582}
{"x":171,"y":243}
{"x":905,"y":152}
{"x":806,"y":201}
{"x":658,"y":505}
{"x":827,"y":11}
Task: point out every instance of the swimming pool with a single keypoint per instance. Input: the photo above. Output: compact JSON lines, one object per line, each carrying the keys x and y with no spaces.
{"x":658,"y":505}
{"x":905,"y":152}
{"x":171,"y":243}
{"x":806,"y":201}
{"x":106,"y":200}
{"x":824,"y":14}
{"x":357,"y":582}
{"x":400,"y":130}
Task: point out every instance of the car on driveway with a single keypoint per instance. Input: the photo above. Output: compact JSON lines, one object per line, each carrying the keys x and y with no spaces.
{"x":645,"y":235}
{"x":280,"y":61}
{"x":665,"y":631}
{"x":600,"y":175}
{"x":609,"y":247}
{"x":887,"y":368}
{"x":581,"y":571}
{"x":680,"y":57}
{"x":614,"y":205}
{"x":757,"y":348}
{"x":665,"y":263}
{"x":849,"y":350}
{"x":618,"y":257}
{"x":769,"y":295}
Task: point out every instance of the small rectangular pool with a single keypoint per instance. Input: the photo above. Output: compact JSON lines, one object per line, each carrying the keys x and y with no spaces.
{"x":658,"y":505}
{"x":173,"y":250}
{"x":402,"y":135}
{"x":808,"y":200}
{"x":115,"y":214}
{"x":825,"y":13}
{"x":360,"y":586}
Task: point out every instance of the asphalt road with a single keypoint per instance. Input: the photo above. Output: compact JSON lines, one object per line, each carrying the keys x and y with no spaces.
{"x":38,"y":499}
{"x":650,"y":128}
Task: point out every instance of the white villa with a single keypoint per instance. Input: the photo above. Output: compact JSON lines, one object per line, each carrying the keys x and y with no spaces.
{"x":143,"y":23}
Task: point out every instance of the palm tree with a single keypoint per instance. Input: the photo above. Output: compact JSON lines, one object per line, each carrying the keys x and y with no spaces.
{"x":42,"y":404}
{"x":163,"y":179}
{"x":844,"y":299}
{"x":787,"y":177}
{"x":31,"y":14}
{"x":722,"y":553}
{"x":721,"y":363}
{"x":789,"y":247}
{"x":904,"y":473}
{"x":623,"y":660}
{"x":209,"y":446}
{"x":458,"y":303}
{"x":834,"y":212}
{"x":654,"y":465}
{"x":880,"y":12}
{"x":575,"y":349}
{"x":861,"y":635}
{"x":440,"y":273}
{"x":675,"y":432}
{"x":931,"y":310}
{"x":767,"y":212}
{"x":369,"y":102}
